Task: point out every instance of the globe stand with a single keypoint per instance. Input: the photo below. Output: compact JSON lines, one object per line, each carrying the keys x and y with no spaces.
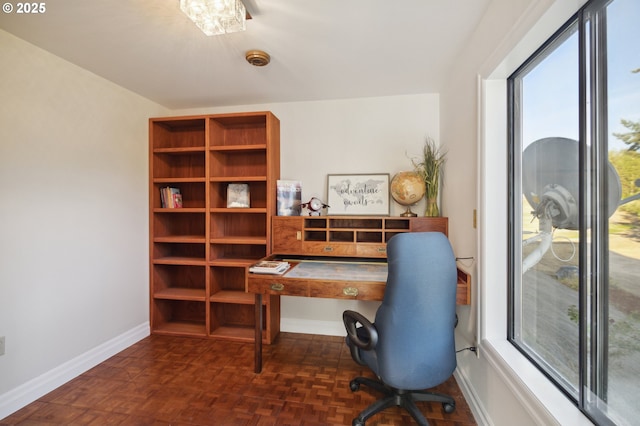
{"x":408,"y":213}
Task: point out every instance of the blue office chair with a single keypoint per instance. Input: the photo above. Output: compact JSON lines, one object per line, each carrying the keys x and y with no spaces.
{"x":410,"y":346}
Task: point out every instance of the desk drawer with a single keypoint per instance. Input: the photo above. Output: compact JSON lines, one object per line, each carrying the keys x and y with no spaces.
{"x":276,"y":285}
{"x":371,"y":250}
{"x":352,"y":290}
{"x":329,"y":249}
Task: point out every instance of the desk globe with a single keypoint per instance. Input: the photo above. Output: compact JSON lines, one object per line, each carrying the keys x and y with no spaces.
{"x":407,"y":188}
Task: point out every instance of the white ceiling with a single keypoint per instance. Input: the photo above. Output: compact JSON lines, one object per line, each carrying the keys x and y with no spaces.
{"x":320,"y":49}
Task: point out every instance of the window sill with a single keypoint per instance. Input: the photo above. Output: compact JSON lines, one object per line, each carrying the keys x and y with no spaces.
{"x":540,"y":398}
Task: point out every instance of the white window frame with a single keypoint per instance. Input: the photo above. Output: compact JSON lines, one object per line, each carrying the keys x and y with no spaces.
{"x":542,"y":400}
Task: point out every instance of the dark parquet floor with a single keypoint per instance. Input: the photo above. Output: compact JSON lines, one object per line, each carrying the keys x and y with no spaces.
{"x":182,"y":382}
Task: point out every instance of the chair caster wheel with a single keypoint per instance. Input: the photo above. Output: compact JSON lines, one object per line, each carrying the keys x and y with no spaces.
{"x":357,"y":422}
{"x":354,"y":386}
{"x":448,"y":408}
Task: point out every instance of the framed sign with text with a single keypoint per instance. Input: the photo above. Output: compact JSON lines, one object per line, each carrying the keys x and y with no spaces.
{"x":360,"y":194}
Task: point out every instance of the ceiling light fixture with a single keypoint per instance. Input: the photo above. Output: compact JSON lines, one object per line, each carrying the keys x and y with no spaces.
{"x":216,"y":16}
{"x":258,"y":58}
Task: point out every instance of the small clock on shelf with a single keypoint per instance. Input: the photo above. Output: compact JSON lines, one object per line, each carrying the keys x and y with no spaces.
{"x":314,"y":206}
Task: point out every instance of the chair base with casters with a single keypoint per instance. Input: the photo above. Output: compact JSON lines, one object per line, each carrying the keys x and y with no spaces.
{"x":366,"y":337}
{"x":398,"y":398}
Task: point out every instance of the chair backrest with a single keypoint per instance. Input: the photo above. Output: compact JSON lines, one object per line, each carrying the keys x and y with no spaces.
{"x":416,"y":321}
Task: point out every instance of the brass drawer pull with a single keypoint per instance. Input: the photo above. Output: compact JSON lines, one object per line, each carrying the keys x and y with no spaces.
{"x":277,"y":286}
{"x":350,"y":291}
{"x":328,"y":248}
{"x":382,"y":249}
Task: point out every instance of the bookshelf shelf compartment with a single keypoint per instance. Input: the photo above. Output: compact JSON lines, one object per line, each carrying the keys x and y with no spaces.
{"x":178,"y":134}
{"x":174,"y":225}
{"x":257,"y":193}
{"x":186,"y":165}
{"x":178,"y":251}
{"x":250,"y":226}
{"x":200,"y":252}
{"x":248,"y":129}
{"x":227,"y":279}
{"x":193,"y":193}
{"x":232,"y":254}
{"x":179,"y":316}
{"x":240,"y":163}
{"x":236,"y":321}
{"x":179,"y":282}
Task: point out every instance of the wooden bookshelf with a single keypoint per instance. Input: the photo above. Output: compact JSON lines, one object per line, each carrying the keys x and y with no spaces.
{"x":199,"y":253}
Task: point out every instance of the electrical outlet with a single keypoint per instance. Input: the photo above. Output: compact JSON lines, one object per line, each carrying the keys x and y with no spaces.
{"x":477,"y":351}
{"x":1,"y":345}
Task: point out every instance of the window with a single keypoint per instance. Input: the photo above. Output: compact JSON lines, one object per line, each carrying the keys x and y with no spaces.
{"x":574,"y":209}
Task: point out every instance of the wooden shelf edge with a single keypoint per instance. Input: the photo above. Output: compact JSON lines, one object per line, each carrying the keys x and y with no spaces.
{"x":257,"y":210}
{"x":237,"y":297}
{"x":180,"y":150}
{"x":238,"y":334}
{"x":258,"y":241}
{"x":238,"y":179}
{"x":233,"y":262}
{"x":175,"y":293}
{"x":181,"y":329}
{"x":180,"y":210}
{"x":238,"y":210}
{"x":168,"y":180}
{"x":242,"y":148}
{"x":191,"y":261}
{"x":194,"y":239}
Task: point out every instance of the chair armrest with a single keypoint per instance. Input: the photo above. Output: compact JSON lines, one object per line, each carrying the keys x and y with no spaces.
{"x":365,"y":337}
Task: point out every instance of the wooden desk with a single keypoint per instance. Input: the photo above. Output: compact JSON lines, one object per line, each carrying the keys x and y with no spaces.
{"x":335,"y":278}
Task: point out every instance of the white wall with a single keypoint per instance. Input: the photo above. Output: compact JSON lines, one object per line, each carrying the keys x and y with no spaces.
{"x":368,"y":135}
{"x":74,"y":215}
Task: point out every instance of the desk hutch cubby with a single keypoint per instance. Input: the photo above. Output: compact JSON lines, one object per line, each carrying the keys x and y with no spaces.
{"x":199,"y":253}
{"x":357,"y":236}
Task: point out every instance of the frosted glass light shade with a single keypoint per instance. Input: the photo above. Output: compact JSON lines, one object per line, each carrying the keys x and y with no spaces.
{"x":216,"y":16}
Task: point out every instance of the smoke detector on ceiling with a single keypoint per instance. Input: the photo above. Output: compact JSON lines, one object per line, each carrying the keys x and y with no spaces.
{"x":257,"y":58}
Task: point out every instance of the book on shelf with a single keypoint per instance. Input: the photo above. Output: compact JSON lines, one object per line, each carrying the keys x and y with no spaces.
{"x":238,"y":195}
{"x":289,"y":197}
{"x":171,"y":198}
{"x":275,"y":267}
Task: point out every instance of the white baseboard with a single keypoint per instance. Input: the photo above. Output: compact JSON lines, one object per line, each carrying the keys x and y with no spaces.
{"x":326,"y":328}
{"x":475,"y":405}
{"x":30,"y":391}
